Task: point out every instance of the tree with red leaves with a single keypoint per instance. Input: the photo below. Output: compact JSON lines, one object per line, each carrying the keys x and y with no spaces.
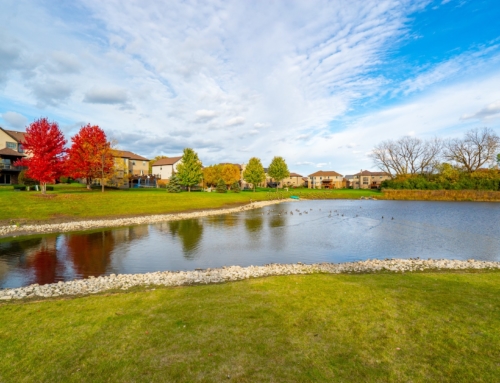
{"x":44,"y":143}
{"x":90,"y":155}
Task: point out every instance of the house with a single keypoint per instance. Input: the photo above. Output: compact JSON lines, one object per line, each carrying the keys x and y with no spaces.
{"x":293,"y":180}
{"x":369,"y":180}
{"x":131,"y":163}
{"x":11,"y":150}
{"x":348,"y":180}
{"x":325,"y":179}
{"x":166,"y":167}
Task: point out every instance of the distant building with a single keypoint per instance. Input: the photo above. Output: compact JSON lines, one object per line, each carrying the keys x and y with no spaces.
{"x":369,"y":180}
{"x":166,"y":167}
{"x":11,"y":150}
{"x":325,"y":179}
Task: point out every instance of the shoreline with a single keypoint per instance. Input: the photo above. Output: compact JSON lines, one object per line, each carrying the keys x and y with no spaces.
{"x":70,"y":226}
{"x":93,"y":285}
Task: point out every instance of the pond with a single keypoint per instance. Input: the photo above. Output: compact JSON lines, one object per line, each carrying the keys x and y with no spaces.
{"x":317,"y":231}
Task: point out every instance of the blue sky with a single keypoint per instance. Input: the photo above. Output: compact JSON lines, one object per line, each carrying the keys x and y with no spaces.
{"x":317,"y":82}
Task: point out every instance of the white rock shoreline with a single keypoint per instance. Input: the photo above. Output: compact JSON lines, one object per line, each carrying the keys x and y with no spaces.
{"x":15,"y":230}
{"x":234,"y":273}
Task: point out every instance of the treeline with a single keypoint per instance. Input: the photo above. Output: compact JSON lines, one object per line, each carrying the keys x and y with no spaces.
{"x":453,"y":164}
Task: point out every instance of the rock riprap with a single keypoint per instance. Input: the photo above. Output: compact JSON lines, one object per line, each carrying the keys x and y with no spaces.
{"x":234,"y":273}
{"x":11,"y":230}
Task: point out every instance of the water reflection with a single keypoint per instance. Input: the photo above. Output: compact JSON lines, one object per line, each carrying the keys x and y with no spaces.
{"x":355,"y":230}
{"x":190,"y":233}
{"x":91,"y":253}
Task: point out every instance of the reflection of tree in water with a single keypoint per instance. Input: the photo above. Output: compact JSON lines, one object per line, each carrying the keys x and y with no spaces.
{"x":42,"y":259}
{"x":91,"y":253}
{"x":254,"y":224}
{"x":278,"y":225}
{"x":190,"y":232}
{"x":226,"y":220}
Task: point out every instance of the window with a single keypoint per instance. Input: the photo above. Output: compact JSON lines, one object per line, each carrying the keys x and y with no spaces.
{"x":21,"y":149}
{"x":320,"y":178}
{"x":144,"y":163}
{"x":365,"y":180}
{"x":12,"y":145}
{"x":133,"y":163}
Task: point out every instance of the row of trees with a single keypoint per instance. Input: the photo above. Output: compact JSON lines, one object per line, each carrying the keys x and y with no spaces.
{"x":414,"y":156}
{"x":89,"y":156}
{"x":458,"y":163}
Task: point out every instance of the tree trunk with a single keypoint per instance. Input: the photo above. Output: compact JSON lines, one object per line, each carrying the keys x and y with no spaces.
{"x":102,"y":187}
{"x":189,"y":189}
{"x":43,"y":186}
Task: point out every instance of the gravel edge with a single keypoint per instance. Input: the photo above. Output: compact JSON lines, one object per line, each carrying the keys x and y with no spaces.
{"x":94,"y":285}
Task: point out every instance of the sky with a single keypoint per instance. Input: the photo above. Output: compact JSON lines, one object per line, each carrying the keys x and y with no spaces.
{"x":317,"y":82}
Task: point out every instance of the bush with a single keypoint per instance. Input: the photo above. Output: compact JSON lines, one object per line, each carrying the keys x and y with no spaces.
{"x":19,"y":187}
{"x":235,"y":188}
{"x":23,"y":179}
{"x":221,"y":187}
{"x":99,"y":187}
{"x":162,"y":184}
{"x":65,"y":180}
{"x":173,"y":185}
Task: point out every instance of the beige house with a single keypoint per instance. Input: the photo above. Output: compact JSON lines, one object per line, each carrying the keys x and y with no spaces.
{"x":11,"y":150}
{"x":369,"y":180}
{"x":131,"y":163}
{"x":294,"y":180}
{"x":325,"y":179}
{"x":164,"y":169}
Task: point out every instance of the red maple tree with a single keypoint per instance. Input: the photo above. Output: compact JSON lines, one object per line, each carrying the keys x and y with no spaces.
{"x":90,"y":155}
{"x":44,"y":144}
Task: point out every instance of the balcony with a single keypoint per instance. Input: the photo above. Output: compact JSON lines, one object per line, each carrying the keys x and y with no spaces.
{"x":11,"y":167}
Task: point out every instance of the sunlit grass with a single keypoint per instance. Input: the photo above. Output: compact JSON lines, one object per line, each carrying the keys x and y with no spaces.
{"x":429,"y":327}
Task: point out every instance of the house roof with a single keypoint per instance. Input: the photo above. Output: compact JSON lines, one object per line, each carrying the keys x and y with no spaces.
{"x":295,"y":175}
{"x":327,"y":173}
{"x":127,"y":154}
{"x":10,"y":152}
{"x":349,"y":176}
{"x":18,"y":136}
{"x":167,"y":161}
{"x":372,"y":174}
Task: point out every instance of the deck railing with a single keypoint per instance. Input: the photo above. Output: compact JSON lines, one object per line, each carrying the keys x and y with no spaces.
{"x":11,"y":167}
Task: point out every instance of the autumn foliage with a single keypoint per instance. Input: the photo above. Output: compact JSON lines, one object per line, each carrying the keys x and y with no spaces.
{"x":44,"y":143}
{"x":90,"y":154}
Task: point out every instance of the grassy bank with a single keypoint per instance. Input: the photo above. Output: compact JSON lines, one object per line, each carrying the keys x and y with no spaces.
{"x":74,"y":201}
{"x":442,"y":195}
{"x":329,"y":328}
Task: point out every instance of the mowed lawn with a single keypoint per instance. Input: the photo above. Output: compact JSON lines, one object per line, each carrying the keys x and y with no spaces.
{"x":73,"y":201}
{"x":421,"y":327}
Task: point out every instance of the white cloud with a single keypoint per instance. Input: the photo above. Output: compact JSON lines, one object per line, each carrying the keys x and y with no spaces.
{"x":235,"y":121}
{"x":488,"y":111}
{"x":15,"y":120}
{"x":203,"y":113}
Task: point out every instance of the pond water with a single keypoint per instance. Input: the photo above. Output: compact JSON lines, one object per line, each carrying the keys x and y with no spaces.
{"x":317,"y":231}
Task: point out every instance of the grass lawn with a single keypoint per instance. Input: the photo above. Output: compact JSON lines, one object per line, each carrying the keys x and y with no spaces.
{"x":74,"y":201}
{"x":422,"y":327}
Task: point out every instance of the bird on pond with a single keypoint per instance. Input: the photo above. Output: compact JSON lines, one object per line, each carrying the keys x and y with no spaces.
{"x":392,"y":218}
{"x":382,"y":217}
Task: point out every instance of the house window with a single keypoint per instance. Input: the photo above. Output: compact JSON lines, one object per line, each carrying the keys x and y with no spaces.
{"x":133,"y":163}
{"x":12,"y":145}
{"x":144,"y":163}
{"x":320,"y":178}
{"x":160,"y":169}
{"x":21,"y":149}
{"x":365,"y":180}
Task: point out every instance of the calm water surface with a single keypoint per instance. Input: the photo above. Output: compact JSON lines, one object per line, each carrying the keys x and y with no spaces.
{"x":354,"y":230}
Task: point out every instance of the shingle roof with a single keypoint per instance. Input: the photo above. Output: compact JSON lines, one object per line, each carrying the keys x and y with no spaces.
{"x":127,"y":154}
{"x":18,"y":136}
{"x":167,"y":161}
{"x":295,"y":175}
{"x":323,"y":173}
{"x":10,"y":152}
{"x":368,"y":173}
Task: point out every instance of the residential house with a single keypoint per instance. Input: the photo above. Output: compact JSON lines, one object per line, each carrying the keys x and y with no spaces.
{"x":369,"y":180}
{"x":11,"y":150}
{"x":294,"y":180}
{"x":131,"y":163}
{"x":166,"y":167}
{"x":349,"y":180}
{"x":325,"y":179}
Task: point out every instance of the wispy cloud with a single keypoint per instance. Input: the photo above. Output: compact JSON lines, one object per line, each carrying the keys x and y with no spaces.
{"x":490,"y":110}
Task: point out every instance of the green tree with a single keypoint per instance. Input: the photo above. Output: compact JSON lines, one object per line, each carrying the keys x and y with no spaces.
{"x":236,"y":188}
{"x":221,"y":187}
{"x":189,"y":171}
{"x":153,"y":161}
{"x":278,"y":170}
{"x":254,"y":172}
{"x":498,"y":159}
{"x":173,"y":185}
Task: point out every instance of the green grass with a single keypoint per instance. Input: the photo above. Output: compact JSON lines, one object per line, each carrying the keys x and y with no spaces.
{"x":74,"y":201}
{"x":422,"y":327}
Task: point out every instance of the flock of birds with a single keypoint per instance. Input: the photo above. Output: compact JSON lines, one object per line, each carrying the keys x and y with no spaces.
{"x":297,"y":211}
